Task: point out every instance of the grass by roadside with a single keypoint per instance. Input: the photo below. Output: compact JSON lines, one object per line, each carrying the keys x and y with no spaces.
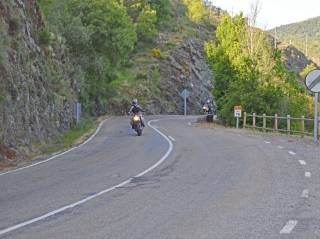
{"x":70,"y":138}
{"x":74,"y":136}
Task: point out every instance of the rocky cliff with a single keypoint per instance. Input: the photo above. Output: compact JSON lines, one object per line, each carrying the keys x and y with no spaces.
{"x":37,"y":91}
{"x":294,"y":59}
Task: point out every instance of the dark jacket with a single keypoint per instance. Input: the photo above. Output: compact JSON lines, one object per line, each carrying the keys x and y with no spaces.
{"x":136,"y":109}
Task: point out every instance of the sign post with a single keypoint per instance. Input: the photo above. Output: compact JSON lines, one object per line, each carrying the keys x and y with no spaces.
{"x":237,"y":114}
{"x":313,"y":84}
{"x":185,"y":94}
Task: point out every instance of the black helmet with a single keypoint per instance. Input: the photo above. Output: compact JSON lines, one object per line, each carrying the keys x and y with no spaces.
{"x":134,"y":102}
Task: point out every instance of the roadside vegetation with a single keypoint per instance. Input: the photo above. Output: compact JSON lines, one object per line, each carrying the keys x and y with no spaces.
{"x":250,"y":73}
{"x":72,"y":137}
{"x":101,"y":35}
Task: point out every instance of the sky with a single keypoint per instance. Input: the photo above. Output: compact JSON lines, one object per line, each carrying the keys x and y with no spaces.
{"x":274,"y":12}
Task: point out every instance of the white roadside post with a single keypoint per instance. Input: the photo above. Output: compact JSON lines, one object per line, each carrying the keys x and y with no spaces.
{"x":312,"y":82}
{"x":237,"y":114}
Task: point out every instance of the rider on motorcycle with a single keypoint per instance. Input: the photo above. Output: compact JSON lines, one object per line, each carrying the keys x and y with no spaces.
{"x":137,"y":109}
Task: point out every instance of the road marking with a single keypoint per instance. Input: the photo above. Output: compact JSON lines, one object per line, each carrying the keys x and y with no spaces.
{"x":291,"y":152}
{"x":287,"y":229}
{"x":307,"y":174}
{"x":280,"y":147}
{"x":170,"y":137}
{"x":302,"y":162}
{"x":305,"y":193}
{"x":70,"y":206}
{"x":58,"y":154}
{"x":267,"y":142}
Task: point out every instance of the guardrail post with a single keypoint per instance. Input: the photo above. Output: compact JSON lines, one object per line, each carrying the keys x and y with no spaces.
{"x":254,"y":120}
{"x":302,"y":126}
{"x":264,"y":122}
{"x":244,"y":119}
{"x":288,"y":124}
{"x":276,"y":122}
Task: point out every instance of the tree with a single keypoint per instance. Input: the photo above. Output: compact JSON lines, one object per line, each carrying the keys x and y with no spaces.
{"x":146,"y":24}
{"x":248,"y":73}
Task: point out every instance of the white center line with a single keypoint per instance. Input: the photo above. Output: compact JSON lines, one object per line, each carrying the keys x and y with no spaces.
{"x":170,"y":137}
{"x":96,"y":195}
{"x":287,"y":229}
{"x":291,"y":152}
{"x":280,"y":147}
{"x":267,"y":142}
{"x":307,"y":174}
{"x":302,"y":162}
{"x":305,"y":193}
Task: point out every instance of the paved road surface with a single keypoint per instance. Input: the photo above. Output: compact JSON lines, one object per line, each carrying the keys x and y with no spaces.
{"x":215,"y":183}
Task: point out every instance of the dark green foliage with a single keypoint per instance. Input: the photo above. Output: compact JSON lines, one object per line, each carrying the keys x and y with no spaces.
{"x":100,"y":35}
{"x":163,"y":10}
{"x":44,"y":37}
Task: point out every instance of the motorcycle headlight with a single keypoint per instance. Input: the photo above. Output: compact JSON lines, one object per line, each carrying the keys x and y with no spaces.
{"x":136,"y":118}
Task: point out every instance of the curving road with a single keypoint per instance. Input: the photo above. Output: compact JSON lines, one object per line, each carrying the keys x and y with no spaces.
{"x":176,"y":181}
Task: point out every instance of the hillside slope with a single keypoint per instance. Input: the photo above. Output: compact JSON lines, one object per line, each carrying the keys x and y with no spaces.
{"x":37,"y":90}
{"x":298,"y":33}
{"x":160,"y":72}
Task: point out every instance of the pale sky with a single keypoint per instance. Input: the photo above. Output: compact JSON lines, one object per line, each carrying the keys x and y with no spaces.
{"x":274,"y":12}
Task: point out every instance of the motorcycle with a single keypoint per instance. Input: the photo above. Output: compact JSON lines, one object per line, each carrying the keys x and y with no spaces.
{"x":208,"y":110}
{"x":136,"y":124}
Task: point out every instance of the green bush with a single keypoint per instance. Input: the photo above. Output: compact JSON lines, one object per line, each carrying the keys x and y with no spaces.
{"x":45,"y":37}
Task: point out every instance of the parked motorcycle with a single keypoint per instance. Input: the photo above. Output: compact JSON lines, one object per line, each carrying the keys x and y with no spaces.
{"x":136,"y":124}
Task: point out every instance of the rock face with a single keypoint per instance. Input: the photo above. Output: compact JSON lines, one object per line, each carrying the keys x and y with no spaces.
{"x":294,"y":59}
{"x":186,"y":69}
{"x":37,"y":92}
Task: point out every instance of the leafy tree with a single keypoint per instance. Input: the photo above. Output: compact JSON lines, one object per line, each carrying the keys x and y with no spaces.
{"x":146,"y":24}
{"x":248,"y":73}
{"x":163,"y":10}
{"x":196,"y":10}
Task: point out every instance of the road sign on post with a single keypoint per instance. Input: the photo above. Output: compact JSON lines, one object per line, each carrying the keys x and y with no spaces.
{"x":313,"y":84}
{"x":185,"y":94}
{"x":237,"y":114}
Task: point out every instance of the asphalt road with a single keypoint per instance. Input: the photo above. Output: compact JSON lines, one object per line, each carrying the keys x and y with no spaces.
{"x":176,"y":181}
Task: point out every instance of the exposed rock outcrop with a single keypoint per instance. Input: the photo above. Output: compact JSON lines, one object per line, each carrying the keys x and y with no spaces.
{"x":187,"y":69}
{"x":294,"y":59}
{"x":37,"y":92}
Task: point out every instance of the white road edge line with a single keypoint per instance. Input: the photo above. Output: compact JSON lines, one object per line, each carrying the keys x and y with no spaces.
{"x":287,"y":229}
{"x":305,"y":193}
{"x":267,"y":142}
{"x":280,"y":147}
{"x":291,"y":152}
{"x":307,"y":174}
{"x":173,"y":139}
{"x":302,"y":162}
{"x":59,"y":154}
{"x":70,"y":206}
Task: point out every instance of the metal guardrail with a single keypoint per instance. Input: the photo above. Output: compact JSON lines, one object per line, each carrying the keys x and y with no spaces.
{"x":299,"y":124}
